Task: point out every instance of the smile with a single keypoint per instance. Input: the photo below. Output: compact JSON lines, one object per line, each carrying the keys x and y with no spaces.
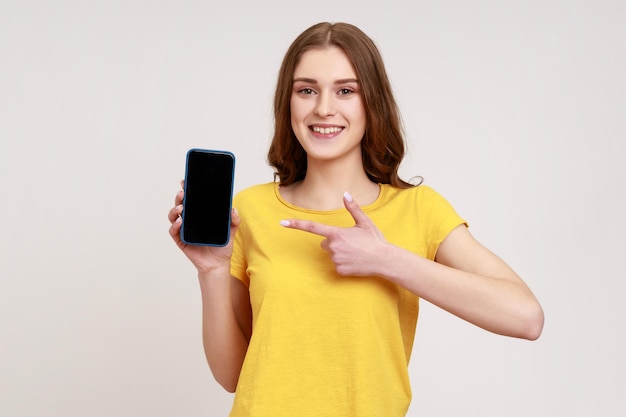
{"x":326,"y":130}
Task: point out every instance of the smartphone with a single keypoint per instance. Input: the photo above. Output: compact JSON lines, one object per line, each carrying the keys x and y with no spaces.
{"x":207,"y":202}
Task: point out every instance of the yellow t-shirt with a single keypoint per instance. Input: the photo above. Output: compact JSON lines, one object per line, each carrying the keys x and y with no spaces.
{"x":324,"y":345}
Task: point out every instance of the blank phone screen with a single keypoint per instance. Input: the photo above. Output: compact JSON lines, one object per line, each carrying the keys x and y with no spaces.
{"x":208,"y":197}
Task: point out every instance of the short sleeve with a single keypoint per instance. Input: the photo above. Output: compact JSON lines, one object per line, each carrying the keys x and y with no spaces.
{"x":440,"y":217}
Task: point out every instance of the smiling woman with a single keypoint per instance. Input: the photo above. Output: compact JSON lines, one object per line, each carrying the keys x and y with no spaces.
{"x":383,"y":141}
{"x":332,"y":260}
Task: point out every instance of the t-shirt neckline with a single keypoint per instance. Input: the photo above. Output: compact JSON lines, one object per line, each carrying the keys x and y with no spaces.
{"x":372,"y":205}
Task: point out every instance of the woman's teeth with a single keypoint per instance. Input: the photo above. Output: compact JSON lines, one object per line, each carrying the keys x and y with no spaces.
{"x":326,"y":130}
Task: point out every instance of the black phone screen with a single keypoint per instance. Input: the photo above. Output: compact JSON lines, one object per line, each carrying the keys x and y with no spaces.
{"x":208,"y":195}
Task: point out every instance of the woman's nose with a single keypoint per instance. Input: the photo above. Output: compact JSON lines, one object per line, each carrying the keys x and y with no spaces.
{"x":324,"y":106}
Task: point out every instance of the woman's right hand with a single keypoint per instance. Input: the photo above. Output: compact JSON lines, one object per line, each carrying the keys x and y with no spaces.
{"x":204,"y":258}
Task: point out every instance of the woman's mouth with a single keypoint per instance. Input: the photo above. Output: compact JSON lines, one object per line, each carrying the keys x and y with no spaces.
{"x":326,"y":130}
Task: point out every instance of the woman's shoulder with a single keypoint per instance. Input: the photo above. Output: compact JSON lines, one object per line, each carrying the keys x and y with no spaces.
{"x":256,"y":193}
{"x":419,"y":192}
{"x":422,"y":198}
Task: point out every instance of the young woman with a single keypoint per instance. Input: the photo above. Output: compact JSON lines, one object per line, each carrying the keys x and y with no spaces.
{"x":312,"y":307}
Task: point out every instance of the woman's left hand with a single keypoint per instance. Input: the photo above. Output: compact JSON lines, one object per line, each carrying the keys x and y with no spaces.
{"x":354,"y":250}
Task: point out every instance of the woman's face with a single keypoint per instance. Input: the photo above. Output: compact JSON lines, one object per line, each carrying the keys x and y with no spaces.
{"x":327,"y":112}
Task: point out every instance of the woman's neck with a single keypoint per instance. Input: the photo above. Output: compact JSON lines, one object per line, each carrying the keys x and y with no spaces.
{"x":324,"y":185}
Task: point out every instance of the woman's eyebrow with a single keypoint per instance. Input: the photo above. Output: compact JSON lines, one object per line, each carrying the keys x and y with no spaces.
{"x":347,"y":81}
{"x":305,"y":80}
{"x":313,"y":81}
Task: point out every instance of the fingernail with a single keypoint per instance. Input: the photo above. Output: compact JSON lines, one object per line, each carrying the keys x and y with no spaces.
{"x":347,"y":196}
{"x":285,"y":223}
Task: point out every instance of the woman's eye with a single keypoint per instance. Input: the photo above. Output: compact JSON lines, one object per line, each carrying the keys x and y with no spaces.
{"x":306,"y":91}
{"x":345,"y":91}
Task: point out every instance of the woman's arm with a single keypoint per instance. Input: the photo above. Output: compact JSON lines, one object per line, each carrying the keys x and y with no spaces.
{"x":470,"y":282}
{"x":226,"y":315}
{"x":226,"y":325}
{"x":466,"y":279}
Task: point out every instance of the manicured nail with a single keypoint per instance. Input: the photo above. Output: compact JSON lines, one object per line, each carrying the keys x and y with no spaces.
{"x":347,"y":196}
{"x":285,"y":223}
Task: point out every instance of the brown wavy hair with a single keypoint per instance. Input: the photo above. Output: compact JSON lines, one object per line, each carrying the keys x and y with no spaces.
{"x":383,"y":144}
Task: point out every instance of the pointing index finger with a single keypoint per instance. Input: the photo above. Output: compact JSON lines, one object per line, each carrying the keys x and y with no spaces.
{"x":308,"y":226}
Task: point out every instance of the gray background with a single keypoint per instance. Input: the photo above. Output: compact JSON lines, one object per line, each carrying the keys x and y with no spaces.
{"x":514,"y":111}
